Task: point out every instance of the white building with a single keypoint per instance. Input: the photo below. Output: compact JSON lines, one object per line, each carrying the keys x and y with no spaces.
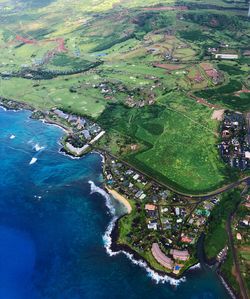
{"x":226,"y":56}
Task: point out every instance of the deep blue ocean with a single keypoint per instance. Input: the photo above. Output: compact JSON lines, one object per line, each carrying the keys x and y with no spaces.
{"x":52,"y":227}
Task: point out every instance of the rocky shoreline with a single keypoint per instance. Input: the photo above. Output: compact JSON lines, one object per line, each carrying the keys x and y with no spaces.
{"x":115,"y":247}
{"x":10,"y":104}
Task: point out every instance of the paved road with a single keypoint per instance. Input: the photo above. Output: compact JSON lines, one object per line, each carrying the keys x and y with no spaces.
{"x":239,"y":278}
{"x":248,"y":126}
{"x":203,"y":196}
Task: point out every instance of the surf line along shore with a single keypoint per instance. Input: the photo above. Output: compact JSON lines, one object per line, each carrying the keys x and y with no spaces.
{"x":120,"y":198}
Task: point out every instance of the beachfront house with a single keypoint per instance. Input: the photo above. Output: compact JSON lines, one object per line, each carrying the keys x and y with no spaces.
{"x":161,"y":258}
{"x":181,"y":255}
{"x":61,"y":114}
{"x":151,"y":210}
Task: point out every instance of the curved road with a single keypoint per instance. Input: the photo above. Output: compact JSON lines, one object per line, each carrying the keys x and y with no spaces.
{"x":202,"y":196}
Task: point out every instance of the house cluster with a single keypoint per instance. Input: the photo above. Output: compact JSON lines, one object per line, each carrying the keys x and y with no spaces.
{"x":242,"y":223}
{"x":221,"y":256}
{"x":170,"y":220}
{"x":108,"y":89}
{"x":212,"y":73}
{"x":131,"y":101}
{"x":223,"y":52}
{"x":234,"y":146}
{"x":84,"y":132}
{"x":197,"y":219}
{"x":128,"y":181}
{"x":88,"y":128}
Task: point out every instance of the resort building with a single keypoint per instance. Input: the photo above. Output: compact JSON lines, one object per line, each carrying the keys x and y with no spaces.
{"x":181,"y":255}
{"x":161,"y":257}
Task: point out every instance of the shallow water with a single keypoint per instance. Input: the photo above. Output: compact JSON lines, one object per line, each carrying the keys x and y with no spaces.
{"x":52,"y":226}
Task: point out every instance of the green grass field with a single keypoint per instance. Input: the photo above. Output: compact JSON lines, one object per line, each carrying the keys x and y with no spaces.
{"x":172,"y":134}
{"x":176,"y":136}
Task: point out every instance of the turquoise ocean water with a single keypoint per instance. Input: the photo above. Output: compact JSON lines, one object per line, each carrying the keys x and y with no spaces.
{"x":52,"y":226}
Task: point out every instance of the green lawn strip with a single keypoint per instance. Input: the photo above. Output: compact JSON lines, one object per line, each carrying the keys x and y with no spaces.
{"x":179,"y":138}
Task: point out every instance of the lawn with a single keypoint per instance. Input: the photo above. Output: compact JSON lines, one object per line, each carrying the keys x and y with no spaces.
{"x":46,"y":94}
{"x":179,"y":141}
{"x":176,"y":136}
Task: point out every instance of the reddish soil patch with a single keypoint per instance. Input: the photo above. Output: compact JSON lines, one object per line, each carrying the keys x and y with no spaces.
{"x":60,"y":47}
{"x":210,"y":71}
{"x":197,"y":77}
{"x":206,"y":66}
{"x":25,"y":40}
{"x":204,"y":102}
{"x":60,"y":44}
{"x":213,"y":74}
{"x":166,"y":8}
{"x":170,"y":67}
{"x":218,"y":114}
{"x":243,"y":91}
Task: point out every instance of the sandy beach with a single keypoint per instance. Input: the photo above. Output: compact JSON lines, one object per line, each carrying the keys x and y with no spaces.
{"x":120,"y":198}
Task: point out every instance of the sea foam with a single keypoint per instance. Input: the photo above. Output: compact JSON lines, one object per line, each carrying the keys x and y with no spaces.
{"x":227,"y":287}
{"x":38,"y":148}
{"x":96,"y":189}
{"x":33,"y":161}
{"x":107,"y":240}
{"x":196,"y":266}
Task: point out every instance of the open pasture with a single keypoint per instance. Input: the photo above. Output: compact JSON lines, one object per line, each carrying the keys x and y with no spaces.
{"x":188,"y":160}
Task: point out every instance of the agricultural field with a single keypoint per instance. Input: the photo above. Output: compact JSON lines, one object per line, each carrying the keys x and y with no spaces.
{"x":144,"y":71}
{"x":166,"y":153}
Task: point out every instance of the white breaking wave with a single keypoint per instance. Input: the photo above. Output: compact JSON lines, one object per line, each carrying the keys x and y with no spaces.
{"x":103,"y":158}
{"x":107,"y":240}
{"x":12,"y":137}
{"x":228,"y":288}
{"x":67,"y":155}
{"x":196,"y":266}
{"x":101,"y":155}
{"x":33,"y":161}
{"x":96,"y":189}
{"x":3,"y":108}
{"x":38,"y":148}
